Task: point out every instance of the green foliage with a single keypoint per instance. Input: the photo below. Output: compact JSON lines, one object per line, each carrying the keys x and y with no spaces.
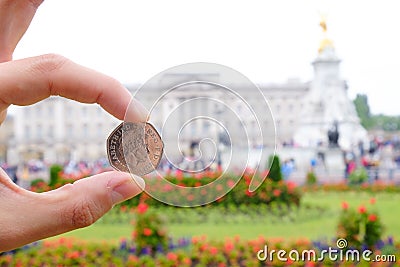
{"x":386,"y":123}
{"x":55,"y":174}
{"x":359,"y":227}
{"x":363,"y":110}
{"x":358,"y":176}
{"x":275,"y":173}
{"x":200,"y":251}
{"x":311,"y":178}
{"x":269,"y":191}
{"x":370,"y":121}
{"x":37,"y":182}
{"x":349,"y":227}
{"x":150,"y":232}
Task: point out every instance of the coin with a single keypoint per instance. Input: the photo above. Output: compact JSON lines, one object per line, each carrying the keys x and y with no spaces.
{"x":135,"y":147}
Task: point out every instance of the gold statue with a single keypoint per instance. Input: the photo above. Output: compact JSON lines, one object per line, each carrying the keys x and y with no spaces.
{"x":325,"y":42}
{"x":323,"y":25}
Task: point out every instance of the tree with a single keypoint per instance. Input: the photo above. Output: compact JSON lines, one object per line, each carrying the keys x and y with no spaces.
{"x":275,"y":173}
{"x":363,"y":111}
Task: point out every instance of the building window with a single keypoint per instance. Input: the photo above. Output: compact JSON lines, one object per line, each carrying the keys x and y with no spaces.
{"x":84,"y":112}
{"x":206,"y":126}
{"x":99,"y":130}
{"x":27,"y":132}
{"x":27,"y":112}
{"x":50,"y":109}
{"x":70,"y":132}
{"x":50,"y":131}
{"x":39,"y":111}
{"x":39,"y":131}
{"x":85,"y":130}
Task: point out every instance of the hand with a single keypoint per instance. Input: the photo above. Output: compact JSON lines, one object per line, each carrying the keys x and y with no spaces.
{"x":26,"y":216}
{"x":15,"y":17}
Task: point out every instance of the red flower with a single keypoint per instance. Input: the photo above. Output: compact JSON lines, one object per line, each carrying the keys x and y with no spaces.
{"x":187,"y":261}
{"x":345,"y":205}
{"x":132,"y":258}
{"x":276,"y":192}
{"x":142,"y":208}
{"x":372,"y":200}
{"x":124,"y":208}
{"x":172,"y":256}
{"x":195,"y":240}
{"x":290,"y":186}
{"x":248,"y":193}
{"x":372,"y":218}
{"x":147,"y":231}
{"x":231,"y":183}
{"x":213,"y":250}
{"x":362,"y":209}
{"x":167,"y":187}
{"x":229,"y":246}
{"x":73,"y":255}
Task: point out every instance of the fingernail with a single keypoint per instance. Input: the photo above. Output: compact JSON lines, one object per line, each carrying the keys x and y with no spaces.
{"x":136,"y":112}
{"x":127,"y":189}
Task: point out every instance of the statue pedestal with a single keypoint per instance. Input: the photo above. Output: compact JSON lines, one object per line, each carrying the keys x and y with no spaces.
{"x":334,"y":162}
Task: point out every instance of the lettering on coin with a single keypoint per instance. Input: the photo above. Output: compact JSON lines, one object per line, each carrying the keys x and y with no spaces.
{"x":135,"y":147}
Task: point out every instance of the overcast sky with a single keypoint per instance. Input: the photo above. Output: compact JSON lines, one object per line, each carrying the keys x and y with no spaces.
{"x":268,"y":41}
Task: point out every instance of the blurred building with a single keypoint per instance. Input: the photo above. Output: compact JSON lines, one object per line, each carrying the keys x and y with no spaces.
{"x":58,"y":130}
{"x":6,"y":134}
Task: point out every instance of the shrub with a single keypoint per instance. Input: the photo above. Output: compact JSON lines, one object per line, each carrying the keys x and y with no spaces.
{"x":311,"y":178}
{"x":275,"y":173}
{"x":283,"y":192}
{"x":358,"y":176}
{"x":55,"y":174}
{"x":150,"y":235}
{"x":359,"y":227}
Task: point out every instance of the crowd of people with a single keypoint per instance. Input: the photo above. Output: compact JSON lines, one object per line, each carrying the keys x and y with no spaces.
{"x":380,"y":158}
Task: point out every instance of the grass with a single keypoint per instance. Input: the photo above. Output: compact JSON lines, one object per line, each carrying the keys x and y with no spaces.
{"x":315,"y":227}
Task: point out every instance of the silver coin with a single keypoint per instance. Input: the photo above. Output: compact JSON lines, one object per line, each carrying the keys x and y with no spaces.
{"x":135,"y":147}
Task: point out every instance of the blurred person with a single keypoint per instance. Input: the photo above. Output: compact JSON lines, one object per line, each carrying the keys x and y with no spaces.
{"x":26,"y":216}
{"x":350,"y":163}
{"x":387,"y":157}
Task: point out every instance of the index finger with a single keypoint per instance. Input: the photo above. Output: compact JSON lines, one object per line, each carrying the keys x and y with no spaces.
{"x":27,"y":81}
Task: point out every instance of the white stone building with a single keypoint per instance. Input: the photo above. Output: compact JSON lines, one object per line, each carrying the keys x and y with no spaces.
{"x":57,"y":130}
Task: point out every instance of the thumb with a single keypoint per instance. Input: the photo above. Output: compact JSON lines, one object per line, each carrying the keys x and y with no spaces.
{"x":35,"y":216}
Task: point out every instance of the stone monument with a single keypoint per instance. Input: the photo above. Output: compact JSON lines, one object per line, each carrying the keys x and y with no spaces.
{"x":327,"y":104}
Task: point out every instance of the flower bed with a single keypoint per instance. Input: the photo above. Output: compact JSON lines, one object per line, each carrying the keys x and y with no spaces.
{"x":197,"y":251}
{"x":286,"y":193}
{"x":344,"y":187}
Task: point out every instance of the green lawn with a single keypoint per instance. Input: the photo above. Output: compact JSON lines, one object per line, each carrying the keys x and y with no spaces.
{"x":316,"y":226}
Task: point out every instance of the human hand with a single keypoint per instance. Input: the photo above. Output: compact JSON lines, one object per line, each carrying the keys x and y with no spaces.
{"x":15,"y":17}
{"x":26,"y":216}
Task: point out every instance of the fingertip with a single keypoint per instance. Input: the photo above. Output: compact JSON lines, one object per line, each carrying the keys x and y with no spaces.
{"x":125,"y":187}
{"x":136,"y":112}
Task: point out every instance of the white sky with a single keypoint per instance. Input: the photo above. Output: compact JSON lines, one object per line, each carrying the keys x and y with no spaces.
{"x":268,"y":41}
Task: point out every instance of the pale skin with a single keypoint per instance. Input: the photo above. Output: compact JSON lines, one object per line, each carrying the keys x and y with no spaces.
{"x":26,"y":216}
